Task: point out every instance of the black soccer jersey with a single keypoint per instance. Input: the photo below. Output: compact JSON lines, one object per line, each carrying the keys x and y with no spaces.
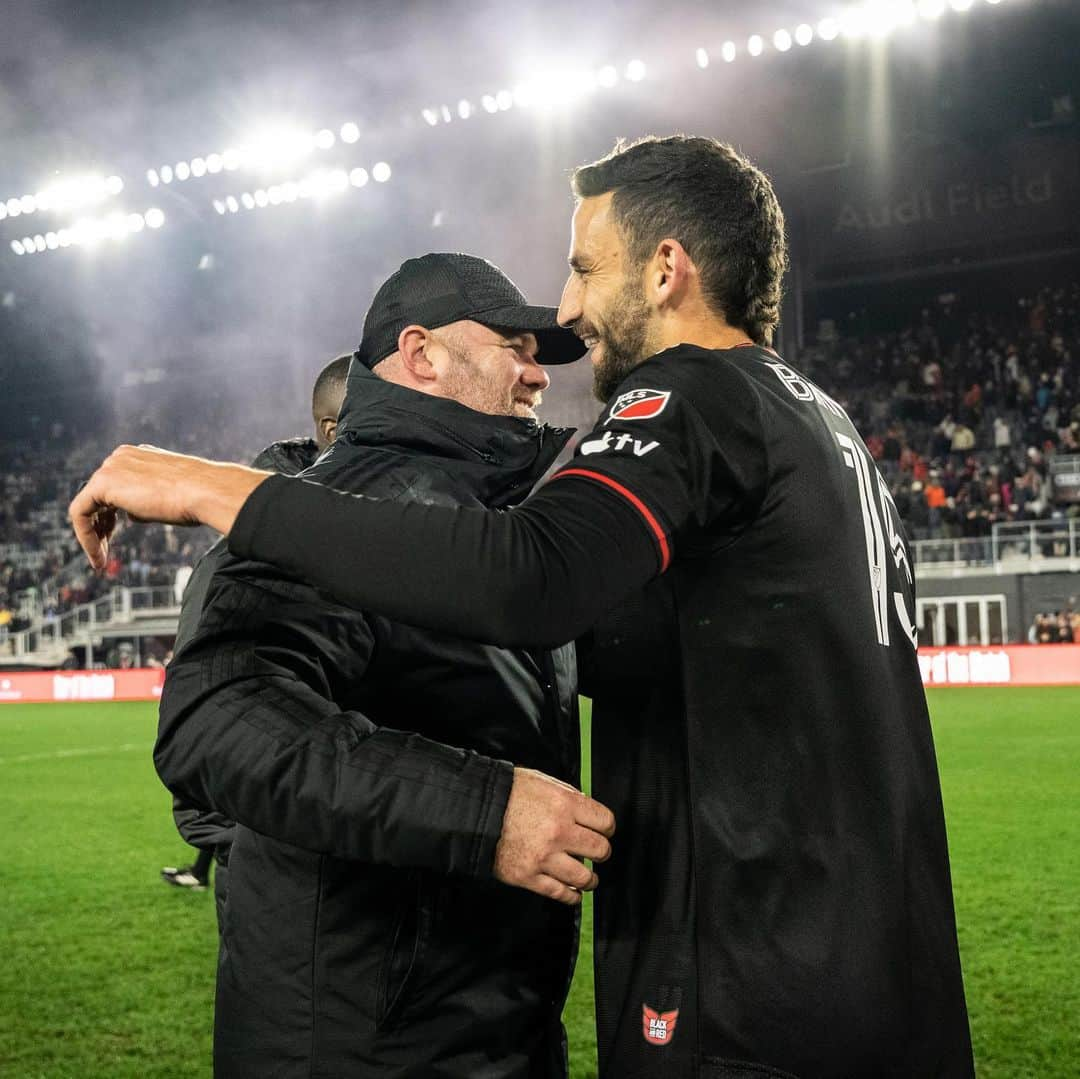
{"x":779,"y":887}
{"x":778,"y":901}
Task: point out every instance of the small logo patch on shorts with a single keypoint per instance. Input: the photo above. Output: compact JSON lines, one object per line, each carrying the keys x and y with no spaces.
{"x":658,"y":1027}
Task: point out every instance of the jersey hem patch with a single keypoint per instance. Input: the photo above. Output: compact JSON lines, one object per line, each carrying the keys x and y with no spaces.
{"x":654,"y":525}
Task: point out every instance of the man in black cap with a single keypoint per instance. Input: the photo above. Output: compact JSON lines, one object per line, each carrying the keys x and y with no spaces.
{"x":366,"y":930}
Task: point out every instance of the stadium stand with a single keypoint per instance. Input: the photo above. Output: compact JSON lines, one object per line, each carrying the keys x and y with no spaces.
{"x":973,"y":414}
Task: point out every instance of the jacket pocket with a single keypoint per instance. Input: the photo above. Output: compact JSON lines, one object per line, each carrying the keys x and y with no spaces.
{"x":400,"y":966}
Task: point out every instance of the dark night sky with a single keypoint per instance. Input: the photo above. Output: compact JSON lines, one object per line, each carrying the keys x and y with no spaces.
{"x":121,"y":86}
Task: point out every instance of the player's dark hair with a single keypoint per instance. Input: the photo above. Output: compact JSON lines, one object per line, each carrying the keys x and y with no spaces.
{"x":331,"y":380}
{"x":716,"y":203}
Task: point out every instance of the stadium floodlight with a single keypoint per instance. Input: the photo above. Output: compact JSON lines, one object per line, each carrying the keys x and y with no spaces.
{"x":804,"y":34}
{"x":729,"y":51}
{"x":39,"y":242}
{"x":380,"y":172}
{"x":290,"y":191}
{"x":358,"y":177}
{"x":63,"y":237}
{"x":464,"y":109}
{"x":607,"y":76}
{"x":755,"y":45}
{"x":854,"y":22}
{"x":489,"y":104}
{"x":444,"y":112}
{"x":219,"y":206}
{"x":349,"y":133}
{"x":782,"y":41}
{"x":232,"y":205}
{"x":14,"y":207}
{"x":28,"y":204}
{"x":17,"y":247}
{"x":261,"y":198}
{"x":828,"y":29}
{"x":247,"y":200}
{"x":214,"y":163}
{"x":166,"y":174}
{"x":51,"y":241}
{"x":114,"y":185}
{"x":136,"y":222}
{"x":431,"y":116}
{"x":198,"y":166}
{"x":931,"y":9}
{"x":702,"y":57}
{"x":152,"y":177}
{"x":3,"y":210}
{"x":635,"y":70}
{"x":325,"y":138}
{"x":154,"y":218}
{"x":273,"y":147}
{"x":182,"y":170}
{"x":504,"y":100}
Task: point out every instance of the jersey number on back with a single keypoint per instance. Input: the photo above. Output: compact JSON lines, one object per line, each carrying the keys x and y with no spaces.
{"x":883,"y":539}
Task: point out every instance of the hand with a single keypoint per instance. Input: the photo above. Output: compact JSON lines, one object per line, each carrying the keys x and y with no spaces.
{"x":156,"y":485}
{"x":547,"y":828}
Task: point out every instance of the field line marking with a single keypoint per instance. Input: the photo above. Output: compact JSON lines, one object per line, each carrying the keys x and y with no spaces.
{"x":59,"y":754}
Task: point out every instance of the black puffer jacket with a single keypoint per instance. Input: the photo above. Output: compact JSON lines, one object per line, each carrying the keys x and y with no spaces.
{"x":364,"y":934}
{"x":205,"y":828}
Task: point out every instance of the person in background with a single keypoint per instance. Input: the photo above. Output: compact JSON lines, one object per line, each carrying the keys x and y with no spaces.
{"x":210,"y":833}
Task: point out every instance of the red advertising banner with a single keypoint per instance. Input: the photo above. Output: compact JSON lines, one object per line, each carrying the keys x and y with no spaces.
{"x":27,"y":687}
{"x":1002,"y":665}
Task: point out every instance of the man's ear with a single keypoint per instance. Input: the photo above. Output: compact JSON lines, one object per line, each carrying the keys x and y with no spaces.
{"x":669,"y":273}
{"x":413,"y":345}
{"x":328,"y":427}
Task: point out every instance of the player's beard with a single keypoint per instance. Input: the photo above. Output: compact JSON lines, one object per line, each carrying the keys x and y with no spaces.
{"x":624,"y":335}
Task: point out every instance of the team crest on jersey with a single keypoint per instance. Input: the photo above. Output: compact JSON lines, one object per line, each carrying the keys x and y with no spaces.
{"x":638,"y":405}
{"x":658,"y":1027}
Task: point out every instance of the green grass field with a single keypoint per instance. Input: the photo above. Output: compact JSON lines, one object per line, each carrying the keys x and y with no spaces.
{"x":107,"y":972}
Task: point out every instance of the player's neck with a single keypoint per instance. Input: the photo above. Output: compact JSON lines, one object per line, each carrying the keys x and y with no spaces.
{"x":703,"y":332}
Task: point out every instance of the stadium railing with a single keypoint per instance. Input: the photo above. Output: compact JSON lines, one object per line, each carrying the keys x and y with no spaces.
{"x":121,"y":606}
{"x":1012,"y":547}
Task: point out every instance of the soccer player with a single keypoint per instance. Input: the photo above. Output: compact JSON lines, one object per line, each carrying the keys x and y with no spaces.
{"x":779,"y":901}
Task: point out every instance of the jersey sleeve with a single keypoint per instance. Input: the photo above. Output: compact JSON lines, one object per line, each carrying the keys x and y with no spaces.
{"x":691,"y":479}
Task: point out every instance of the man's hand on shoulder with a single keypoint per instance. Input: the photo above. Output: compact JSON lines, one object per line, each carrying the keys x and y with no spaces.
{"x":155,"y":485}
{"x":548,"y":827}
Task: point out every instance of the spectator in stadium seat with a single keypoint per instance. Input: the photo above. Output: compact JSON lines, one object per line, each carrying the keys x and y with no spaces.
{"x":366,"y":930}
{"x":209,"y":832}
{"x":780,"y":901}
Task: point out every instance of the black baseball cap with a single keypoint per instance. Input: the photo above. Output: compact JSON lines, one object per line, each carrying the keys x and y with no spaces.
{"x":437,"y":289}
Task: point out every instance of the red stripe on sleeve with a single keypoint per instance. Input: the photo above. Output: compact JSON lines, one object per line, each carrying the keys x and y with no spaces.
{"x":650,"y":520}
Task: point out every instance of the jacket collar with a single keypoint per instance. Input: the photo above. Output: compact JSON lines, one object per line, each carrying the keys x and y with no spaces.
{"x":505,"y":454}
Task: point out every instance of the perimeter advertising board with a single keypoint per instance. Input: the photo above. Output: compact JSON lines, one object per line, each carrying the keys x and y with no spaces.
{"x":35,"y":687}
{"x":1002,"y":665}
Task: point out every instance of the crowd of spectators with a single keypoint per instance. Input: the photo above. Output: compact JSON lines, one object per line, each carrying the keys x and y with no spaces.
{"x":1055,"y":627}
{"x":964,"y":407}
